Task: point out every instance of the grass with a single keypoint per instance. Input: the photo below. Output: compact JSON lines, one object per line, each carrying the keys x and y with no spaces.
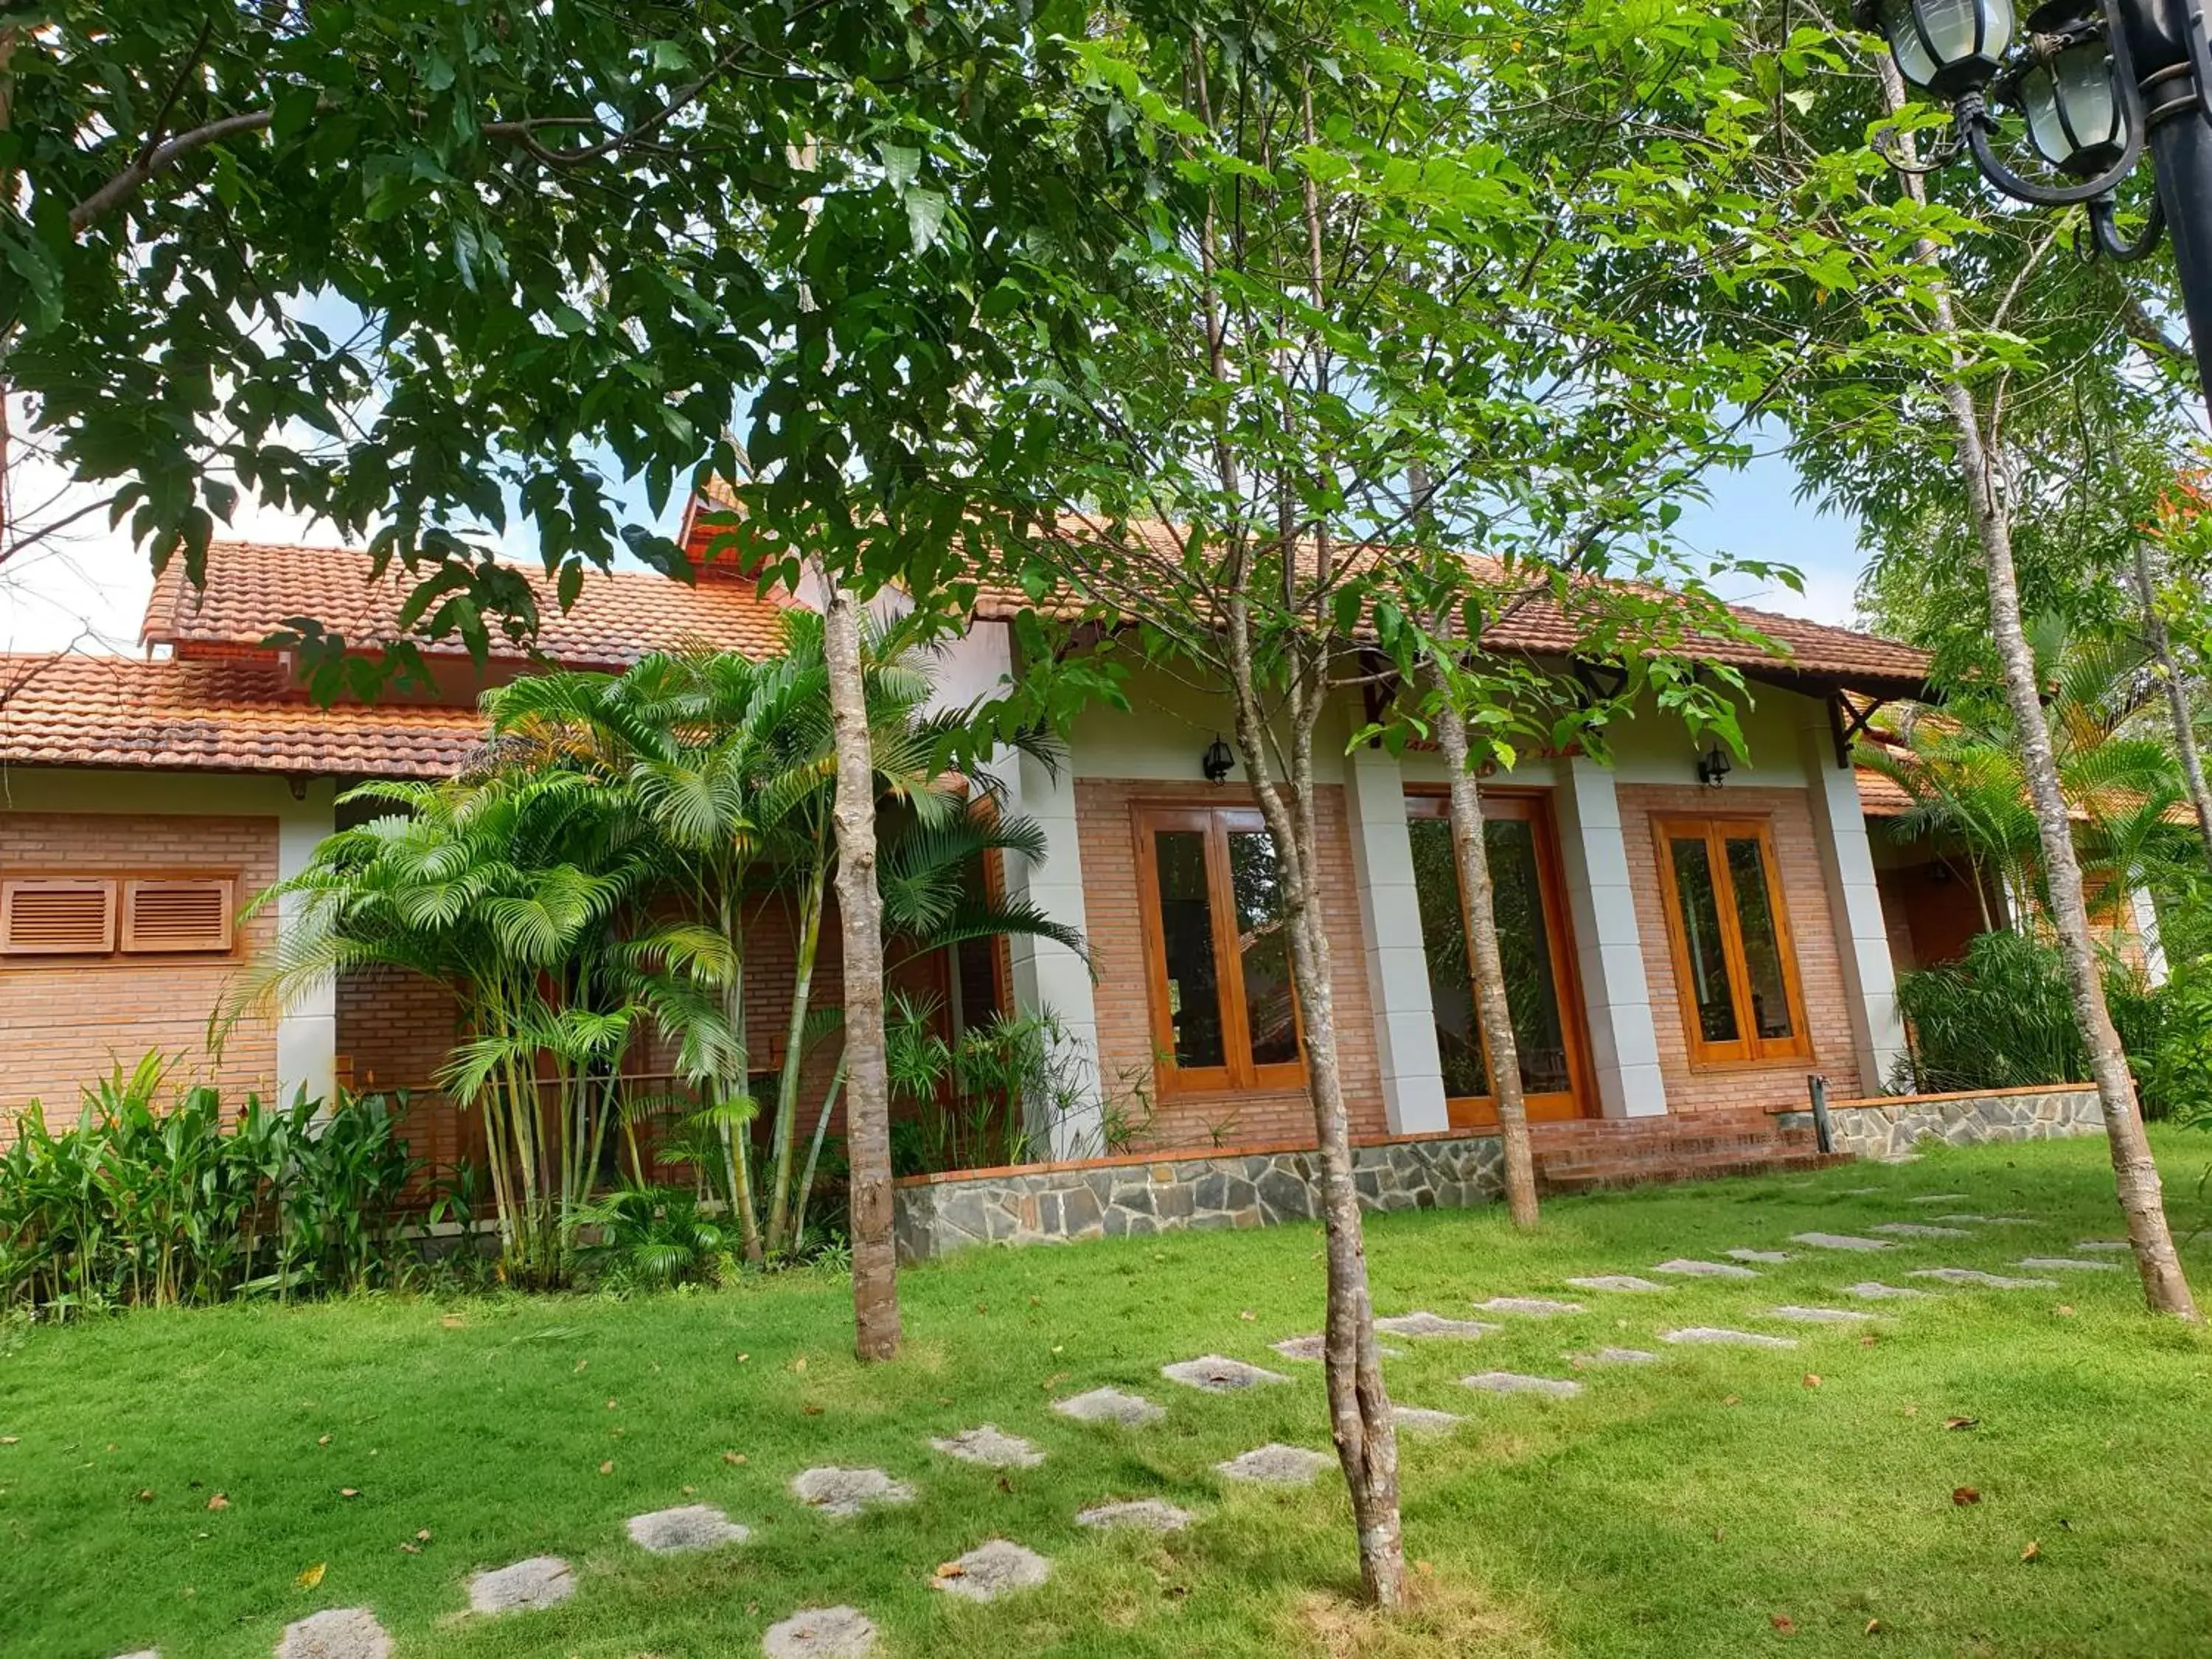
{"x":1682,"y":1509}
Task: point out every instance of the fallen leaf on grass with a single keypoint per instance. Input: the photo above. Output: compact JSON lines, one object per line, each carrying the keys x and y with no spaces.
{"x":452,"y":1321}
{"x":1963,"y":1496}
{"x":1812,"y":1379}
{"x":1730,"y":1400}
{"x":950,"y":1569}
{"x":1425,"y":1568}
{"x":218,"y":1502}
{"x":799,"y":1363}
{"x":1004,"y":1485}
{"x":424,"y":1536}
{"x":348,"y":1491}
{"x":1962,"y":1422}
{"x":610,"y":1405}
{"x":2032,"y":1552}
{"x":146,"y":1495}
{"x":733,"y":1457}
{"x":312,"y":1577}
{"x":580,"y":1364}
{"x":1246,"y":1314}
{"x":1867,"y":1340}
{"x":1874,"y":1627}
{"x":1785,"y":1623}
{"x":1912,"y":1411}
{"x":411,"y":1549}
{"x":607,"y":1467}
{"x":743,"y":1358}
{"x":9,"y":1439}
{"x":323,"y":1440}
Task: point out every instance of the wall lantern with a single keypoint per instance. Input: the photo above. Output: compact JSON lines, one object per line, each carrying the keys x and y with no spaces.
{"x":1714,"y":766}
{"x":1217,"y":762}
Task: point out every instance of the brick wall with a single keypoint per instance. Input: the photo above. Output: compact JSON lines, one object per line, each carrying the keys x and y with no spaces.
{"x":1105,"y":810}
{"x":64,"y":1021}
{"x":1812,"y":927}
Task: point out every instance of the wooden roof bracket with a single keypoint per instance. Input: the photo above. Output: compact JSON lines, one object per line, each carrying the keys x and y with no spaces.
{"x":1849,"y":722}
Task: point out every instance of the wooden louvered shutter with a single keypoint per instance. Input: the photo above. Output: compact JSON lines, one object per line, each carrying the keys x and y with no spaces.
{"x":163,"y":917}
{"x":48,"y":918}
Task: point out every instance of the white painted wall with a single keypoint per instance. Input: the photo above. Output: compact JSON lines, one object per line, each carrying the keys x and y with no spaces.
{"x":2144,"y":910}
{"x":1397,"y":964}
{"x":1608,"y":944}
{"x":1854,"y":907}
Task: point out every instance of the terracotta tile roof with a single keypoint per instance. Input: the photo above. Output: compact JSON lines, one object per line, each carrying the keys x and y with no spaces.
{"x":620,"y":616}
{"x":226,"y":715}
{"x":1882,"y":797}
{"x":1816,"y":651}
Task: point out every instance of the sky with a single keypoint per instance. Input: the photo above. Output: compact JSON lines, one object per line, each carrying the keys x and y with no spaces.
{"x":88,"y":592}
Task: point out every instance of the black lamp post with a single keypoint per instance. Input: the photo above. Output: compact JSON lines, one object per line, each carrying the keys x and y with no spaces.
{"x":2100,"y":81}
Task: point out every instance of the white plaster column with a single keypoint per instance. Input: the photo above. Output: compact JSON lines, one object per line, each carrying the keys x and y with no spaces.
{"x":1608,"y":945}
{"x":2144,"y":910}
{"x":1048,"y":977}
{"x":1397,"y":966}
{"x":1855,"y":906}
{"x":307,"y":1026}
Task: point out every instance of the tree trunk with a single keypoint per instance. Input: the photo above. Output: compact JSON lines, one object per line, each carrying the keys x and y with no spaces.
{"x":860,"y":906}
{"x":786,"y":1128}
{"x":2135,"y":1172}
{"x":2176,"y":698}
{"x":1360,"y":1405}
{"x":1478,"y":897}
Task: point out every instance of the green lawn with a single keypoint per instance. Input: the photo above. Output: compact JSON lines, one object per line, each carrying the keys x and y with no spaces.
{"x":1678,"y":1509}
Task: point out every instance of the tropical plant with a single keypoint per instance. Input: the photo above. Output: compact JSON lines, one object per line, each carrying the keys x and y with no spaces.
{"x":649,"y":1237}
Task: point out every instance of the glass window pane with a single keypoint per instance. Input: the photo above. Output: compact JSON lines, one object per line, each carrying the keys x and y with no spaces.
{"x":1443,"y":941}
{"x":1701,"y":924}
{"x":1762,"y":940}
{"x":1264,"y":944}
{"x":1186,"y":931}
{"x":1531,"y":991}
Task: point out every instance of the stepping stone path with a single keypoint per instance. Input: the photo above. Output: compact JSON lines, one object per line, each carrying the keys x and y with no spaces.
{"x":1759,"y":1255}
{"x":1559,"y":1387}
{"x":1992,"y":1220}
{"x":1937,"y":1198}
{"x":1148,"y":1514}
{"x":1916,"y":1230}
{"x":1615,"y":1282}
{"x":821,"y":1633}
{"x":1840,"y":1242}
{"x":1275,"y":1465}
{"x":848,"y":1491}
{"x":1428,"y":1324}
{"x":336,"y":1634}
{"x":1873,"y":1289}
{"x":1708,"y":1334}
{"x":1419,"y":1419}
{"x":1535,"y":1307}
{"x":542,"y":1581}
{"x":1316,"y":1347}
{"x":1684,"y":1269}
{"x":2102,"y":1245}
{"x":1212,"y":1374}
{"x":2067,"y":1264}
{"x":992,"y":1448}
{"x":1987,"y":1281}
{"x":694,"y":1527}
{"x":1615,"y":1357}
{"x":1819,"y":1315}
{"x":990,"y":1570}
{"x":142,"y":1653}
{"x":1132,"y":1411}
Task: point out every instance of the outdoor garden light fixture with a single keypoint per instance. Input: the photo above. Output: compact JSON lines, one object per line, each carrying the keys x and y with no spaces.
{"x":1714,"y":766}
{"x":1217,"y":762}
{"x":2100,"y":82}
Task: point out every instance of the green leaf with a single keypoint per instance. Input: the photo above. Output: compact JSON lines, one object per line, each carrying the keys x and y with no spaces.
{"x":925,"y":218}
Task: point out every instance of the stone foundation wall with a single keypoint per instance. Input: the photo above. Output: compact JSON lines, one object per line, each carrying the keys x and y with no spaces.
{"x":1882,"y":1128}
{"x":1110,"y":1198}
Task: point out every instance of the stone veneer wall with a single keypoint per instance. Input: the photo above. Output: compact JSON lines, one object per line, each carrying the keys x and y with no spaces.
{"x":1109,"y":1197}
{"x":1880,"y":1128}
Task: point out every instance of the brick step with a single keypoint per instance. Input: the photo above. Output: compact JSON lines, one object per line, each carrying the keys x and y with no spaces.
{"x":1663,"y":1172}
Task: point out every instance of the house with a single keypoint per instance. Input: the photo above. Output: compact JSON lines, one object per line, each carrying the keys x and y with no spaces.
{"x":1683,"y":954}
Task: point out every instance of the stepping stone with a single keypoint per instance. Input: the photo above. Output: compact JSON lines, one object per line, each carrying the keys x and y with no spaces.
{"x":694,"y":1527}
{"x":1419,"y":1419}
{"x":1212,"y":1374}
{"x":1615,"y":1282}
{"x":1992,"y":1220}
{"x":990,"y":1570}
{"x":1915,"y":1229}
{"x":1429,"y":1324}
{"x":1759,"y":1255}
{"x":1819,"y":1315}
{"x":821,"y":1633}
{"x":1840,"y":1242}
{"x":1862,"y":1192}
{"x":1684,"y":1269}
{"x":848,"y":1491}
{"x":1987,"y":1281}
{"x":1937,"y":1198}
{"x":1708,"y":1334}
{"x":1147,"y":1514}
{"x":1132,"y":1411}
{"x":2114,"y":1244}
{"x":1276,"y":1464}
{"x":2067,"y":1264}
{"x":1615,"y":1357}
{"x":542,"y":1581}
{"x":990,"y":1447}
{"x":336,"y":1634}
{"x":1535,"y":1307}
{"x":1559,"y":1387}
{"x":142,"y":1653}
{"x":1873,"y":1289}
{"x":1316,"y":1347}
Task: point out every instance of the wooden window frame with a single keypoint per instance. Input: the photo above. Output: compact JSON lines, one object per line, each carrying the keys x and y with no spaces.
{"x":120,"y":951}
{"x":1749,"y":1048}
{"x":106,"y":886}
{"x":1237,"y":1074}
{"x":1535,"y":807}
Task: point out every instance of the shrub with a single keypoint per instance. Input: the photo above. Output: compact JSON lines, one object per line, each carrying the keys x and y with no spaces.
{"x":650,"y":1238}
{"x":151,"y":1199}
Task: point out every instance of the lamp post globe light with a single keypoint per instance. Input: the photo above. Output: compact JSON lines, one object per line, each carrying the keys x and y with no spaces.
{"x":2100,"y":82}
